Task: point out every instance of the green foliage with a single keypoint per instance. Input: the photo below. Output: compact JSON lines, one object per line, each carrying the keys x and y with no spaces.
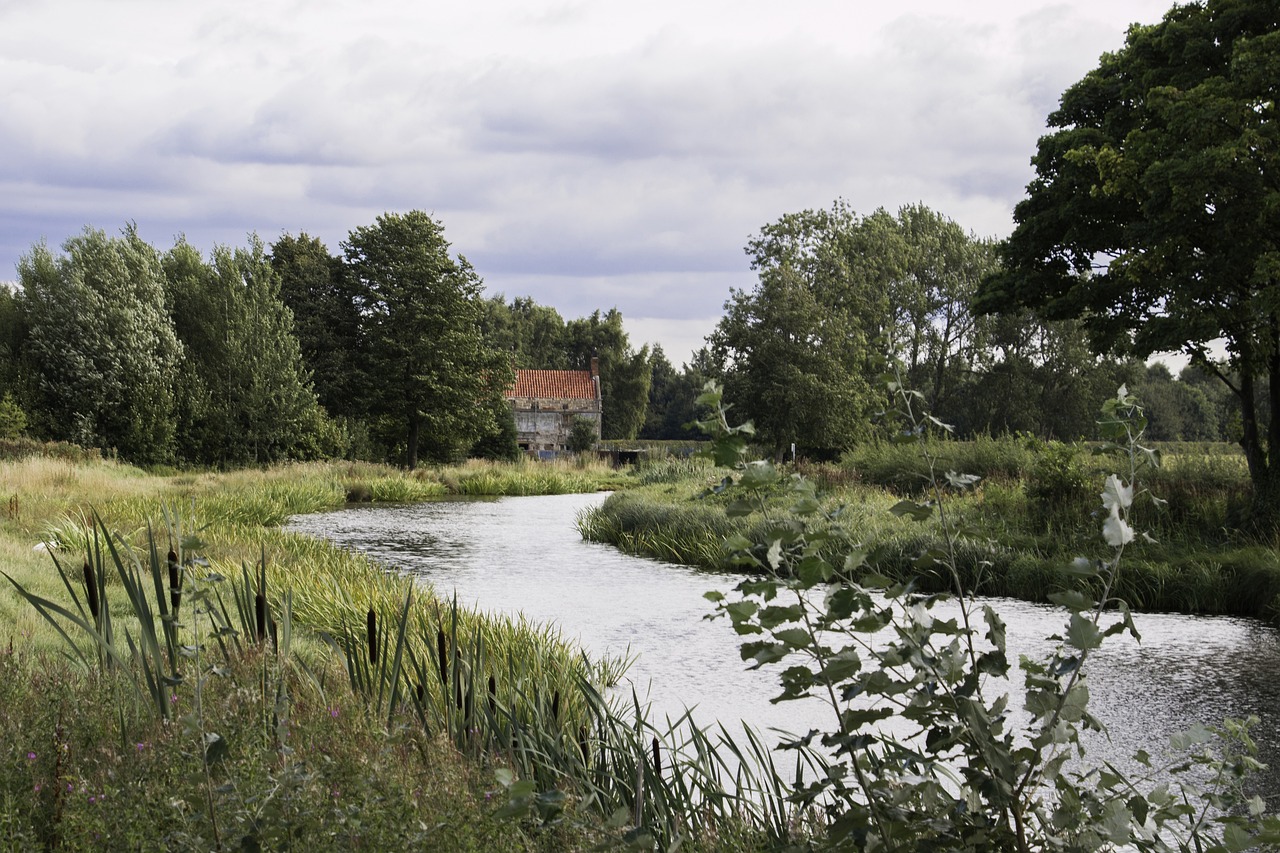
{"x":13,"y":421}
{"x":107,"y":355}
{"x":245,"y":396}
{"x":794,"y":352}
{"x":1058,"y":486}
{"x":421,"y":311}
{"x":673,"y":397}
{"x":326,"y":321}
{"x":1162,"y":161}
{"x":582,"y":435}
{"x":968,"y":774}
{"x":500,"y":445}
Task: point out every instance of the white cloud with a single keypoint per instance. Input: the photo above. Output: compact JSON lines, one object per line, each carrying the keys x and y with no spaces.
{"x":588,"y":154}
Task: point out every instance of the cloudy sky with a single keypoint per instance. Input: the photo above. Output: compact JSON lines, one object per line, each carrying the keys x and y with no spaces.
{"x":588,"y":153}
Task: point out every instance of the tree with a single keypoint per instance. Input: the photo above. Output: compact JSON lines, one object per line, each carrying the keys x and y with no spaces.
{"x":624,"y":373}
{"x":582,"y":435}
{"x":246,"y":394}
{"x":939,"y":340}
{"x":1155,"y":211}
{"x":106,"y":349}
{"x":421,"y":310}
{"x":326,"y":321}
{"x":798,"y":352}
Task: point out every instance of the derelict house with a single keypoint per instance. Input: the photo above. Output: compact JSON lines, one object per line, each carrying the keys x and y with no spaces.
{"x":548,"y":401}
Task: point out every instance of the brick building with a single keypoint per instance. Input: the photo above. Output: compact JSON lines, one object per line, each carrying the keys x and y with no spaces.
{"x":547,"y":402}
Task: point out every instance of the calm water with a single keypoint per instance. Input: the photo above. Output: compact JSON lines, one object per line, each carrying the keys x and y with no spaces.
{"x":525,"y":555}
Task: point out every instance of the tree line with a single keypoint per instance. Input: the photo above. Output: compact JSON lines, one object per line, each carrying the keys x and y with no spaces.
{"x":389,"y":350}
{"x":1151,"y":226}
{"x":386,"y":350}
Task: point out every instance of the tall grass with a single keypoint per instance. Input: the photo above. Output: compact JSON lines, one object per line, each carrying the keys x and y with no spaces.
{"x":1020,"y":528}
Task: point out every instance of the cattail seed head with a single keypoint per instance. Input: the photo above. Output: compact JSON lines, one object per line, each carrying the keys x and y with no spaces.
{"x":657,"y":758}
{"x":175,"y":582}
{"x":441,"y":651}
{"x":91,"y":589}
{"x":260,"y":615}
{"x":371,"y":625}
{"x":555,"y":706}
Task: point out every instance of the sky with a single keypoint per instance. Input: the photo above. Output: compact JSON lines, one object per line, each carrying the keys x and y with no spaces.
{"x":589,"y":154}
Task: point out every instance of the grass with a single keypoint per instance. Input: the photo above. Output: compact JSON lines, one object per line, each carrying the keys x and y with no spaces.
{"x":1021,"y":528}
{"x":302,"y":696}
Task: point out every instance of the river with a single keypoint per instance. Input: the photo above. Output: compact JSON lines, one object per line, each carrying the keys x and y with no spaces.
{"x":525,"y":555}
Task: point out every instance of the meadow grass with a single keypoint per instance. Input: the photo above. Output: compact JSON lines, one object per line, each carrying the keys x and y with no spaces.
{"x":1020,"y":529}
{"x":377,"y":717}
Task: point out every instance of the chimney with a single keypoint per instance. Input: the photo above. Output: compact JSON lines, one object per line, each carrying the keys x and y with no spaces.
{"x":595,"y":367}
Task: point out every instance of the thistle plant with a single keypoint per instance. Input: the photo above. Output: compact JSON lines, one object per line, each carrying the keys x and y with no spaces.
{"x":927,"y":748}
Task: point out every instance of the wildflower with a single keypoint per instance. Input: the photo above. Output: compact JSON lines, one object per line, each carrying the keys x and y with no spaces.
{"x":31,"y":756}
{"x":333,"y":712}
{"x":141,"y":746}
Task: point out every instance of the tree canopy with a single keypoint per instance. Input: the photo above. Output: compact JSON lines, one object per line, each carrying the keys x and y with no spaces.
{"x":422,"y":309}
{"x":1155,"y":211}
{"x":103,"y":341}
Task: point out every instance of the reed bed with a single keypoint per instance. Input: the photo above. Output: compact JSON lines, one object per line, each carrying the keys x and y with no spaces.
{"x":258,"y":685}
{"x":425,"y":673}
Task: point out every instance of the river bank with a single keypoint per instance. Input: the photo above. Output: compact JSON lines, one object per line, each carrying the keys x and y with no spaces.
{"x":1032,"y":514}
{"x":266,"y":744}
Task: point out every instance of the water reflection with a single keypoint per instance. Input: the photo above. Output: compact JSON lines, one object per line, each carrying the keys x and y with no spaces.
{"x":525,"y":555}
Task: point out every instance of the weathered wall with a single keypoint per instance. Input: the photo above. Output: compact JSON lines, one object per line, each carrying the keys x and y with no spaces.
{"x":544,"y":423}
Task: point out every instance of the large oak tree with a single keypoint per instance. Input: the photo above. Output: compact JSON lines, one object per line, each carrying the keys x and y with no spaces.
{"x":432,"y":370}
{"x":1155,"y":211}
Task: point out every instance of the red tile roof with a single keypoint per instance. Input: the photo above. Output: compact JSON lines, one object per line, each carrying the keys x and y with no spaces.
{"x":564,"y":384}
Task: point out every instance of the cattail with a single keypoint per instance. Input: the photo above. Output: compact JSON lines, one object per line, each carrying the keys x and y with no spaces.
{"x":275,"y":636}
{"x":493,"y":695}
{"x":422,"y":692}
{"x":175,"y":582}
{"x":457,"y":697}
{"x":91,"y":586}
{"x":657,"y":758}
{"x":260,"y":614}
{"x":440,"y":652}
{"x":371,"y":624}
{"x":555,"y":706}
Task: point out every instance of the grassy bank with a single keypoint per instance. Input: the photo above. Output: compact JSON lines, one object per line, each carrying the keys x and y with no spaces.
{"x":197,"y":729}
{"x":1033,"y":513}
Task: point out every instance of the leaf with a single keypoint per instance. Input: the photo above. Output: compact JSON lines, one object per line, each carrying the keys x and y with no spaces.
{"x":962,"y":481}
{"x":1116,"y":532}
{"x":215,"y":748}
{"x":1116,"y":494}
{"x":1072,"y":599}
{"x":758,"y":475}
{"x":1082,"y":567}
{"x":913,"y":510}
{"x":797,"y":638}
{"x":1082,"y":634}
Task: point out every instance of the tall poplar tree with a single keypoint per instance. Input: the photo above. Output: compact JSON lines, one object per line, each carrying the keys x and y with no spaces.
{"x":247,"y":395}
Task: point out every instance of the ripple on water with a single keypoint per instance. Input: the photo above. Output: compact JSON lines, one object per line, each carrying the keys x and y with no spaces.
{"x":525,"y":555}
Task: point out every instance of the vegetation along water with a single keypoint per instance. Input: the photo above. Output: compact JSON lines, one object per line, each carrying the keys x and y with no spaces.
{"x":181,"y":673}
